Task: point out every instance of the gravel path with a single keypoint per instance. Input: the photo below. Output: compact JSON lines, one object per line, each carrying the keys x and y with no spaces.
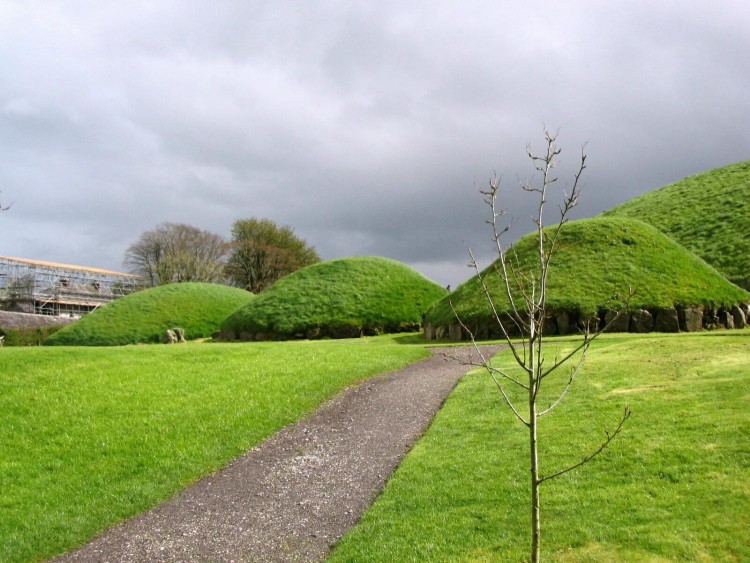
{"x":293,"y":496}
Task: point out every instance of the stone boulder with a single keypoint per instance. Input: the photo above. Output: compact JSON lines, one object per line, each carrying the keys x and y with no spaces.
{"x":312,"y":332}
{"x":667,"y":320}
{"x":740,"y":319}
{"x":641,"y":321}
{"x":346,"y":331}
{"x":588,"y":323}
{"x":691,"y":319}
{"x":174,"y":335}
{"x":726,"y":319}
{"x":566,"y":323}
{"x":455,"y":332}
{"x":481,"y":331}
{"x":614,"y":322}
{"x":429,"y":332}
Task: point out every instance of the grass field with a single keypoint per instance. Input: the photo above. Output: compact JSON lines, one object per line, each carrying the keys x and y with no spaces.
{"x":93,"y":435}
{"x":674,"y":486}
{"x":90,"y":436}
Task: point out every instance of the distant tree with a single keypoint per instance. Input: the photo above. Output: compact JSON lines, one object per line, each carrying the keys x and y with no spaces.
{"x":173,"y":253}
{"x":263,"y":252}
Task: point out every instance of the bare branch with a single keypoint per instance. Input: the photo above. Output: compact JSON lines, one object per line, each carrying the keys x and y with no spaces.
{"x":485,"y":364}
{"x":582,"y":346}
{"x":600,"y":449}
{"x":573,"y":373}
{"x":491,"y":302}
{"x":588,"y":338}
{"x":491,"y":200}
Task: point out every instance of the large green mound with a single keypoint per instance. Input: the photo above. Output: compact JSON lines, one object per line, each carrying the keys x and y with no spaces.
{"x":197,"y":308}
{"x":596,"y":262}
{"x":339,"y":298}
{"x":709,"y":214}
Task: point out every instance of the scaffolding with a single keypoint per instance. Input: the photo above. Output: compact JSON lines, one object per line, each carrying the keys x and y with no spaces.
{"x":62,"y":290}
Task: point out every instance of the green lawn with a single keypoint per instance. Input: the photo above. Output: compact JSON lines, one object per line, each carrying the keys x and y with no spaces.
{"x":674,"y":486}
{"x":93,"y":435}
{"x":90,"y":436}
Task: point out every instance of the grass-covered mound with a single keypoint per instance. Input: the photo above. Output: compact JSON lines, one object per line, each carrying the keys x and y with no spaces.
{"x":709,"y":214}
{"x":144,"y":316}
{"x":342,"y":298}
{"x":595,"y":263}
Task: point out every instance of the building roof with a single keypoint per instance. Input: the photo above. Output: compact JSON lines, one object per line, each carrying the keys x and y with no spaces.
{"x":10,"y":320}
{"x":68,"y":267}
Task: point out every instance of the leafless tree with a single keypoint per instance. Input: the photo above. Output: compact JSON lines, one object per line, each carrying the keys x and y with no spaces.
{"x":526,"y":292}
{"x":263,"y":252}
{"x":173,"y":253}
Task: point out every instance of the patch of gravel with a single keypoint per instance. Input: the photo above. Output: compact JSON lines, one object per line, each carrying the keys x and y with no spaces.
{"x":294,"y":495}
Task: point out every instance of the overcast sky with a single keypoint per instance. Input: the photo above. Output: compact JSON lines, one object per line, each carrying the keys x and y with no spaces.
{"x":367,"y":126}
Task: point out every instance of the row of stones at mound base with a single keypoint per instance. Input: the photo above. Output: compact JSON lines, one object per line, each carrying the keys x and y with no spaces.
{"x":672,"y":319}
{"x":318,"y":332}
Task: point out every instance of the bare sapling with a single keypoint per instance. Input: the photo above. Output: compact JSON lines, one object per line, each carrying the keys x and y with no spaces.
{"x":525,"y":313}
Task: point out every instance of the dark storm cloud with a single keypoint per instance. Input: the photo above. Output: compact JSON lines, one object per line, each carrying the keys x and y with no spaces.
{"x":368,"y":127}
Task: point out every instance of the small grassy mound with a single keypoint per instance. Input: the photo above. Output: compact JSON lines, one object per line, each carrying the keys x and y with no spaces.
{"x":340,"y":298}
{"x":197,"y":308}
{"x":595,"y":263}
{"x":709,"y":214}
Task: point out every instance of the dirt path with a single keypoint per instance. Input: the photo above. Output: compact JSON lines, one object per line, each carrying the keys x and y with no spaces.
{"x":293,"y":496}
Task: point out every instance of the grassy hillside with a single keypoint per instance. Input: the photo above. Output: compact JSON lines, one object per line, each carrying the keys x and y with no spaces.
{"x":597,"y":259}
{"x":338,"y":298}
{"x":198,"y":308}
{"x":709,"y":214}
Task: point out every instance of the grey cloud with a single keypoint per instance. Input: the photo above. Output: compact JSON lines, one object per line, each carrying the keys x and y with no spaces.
{"x":365,"y":126}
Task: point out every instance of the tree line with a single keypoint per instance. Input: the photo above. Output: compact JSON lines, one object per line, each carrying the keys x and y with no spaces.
{"x":259,"y":253}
